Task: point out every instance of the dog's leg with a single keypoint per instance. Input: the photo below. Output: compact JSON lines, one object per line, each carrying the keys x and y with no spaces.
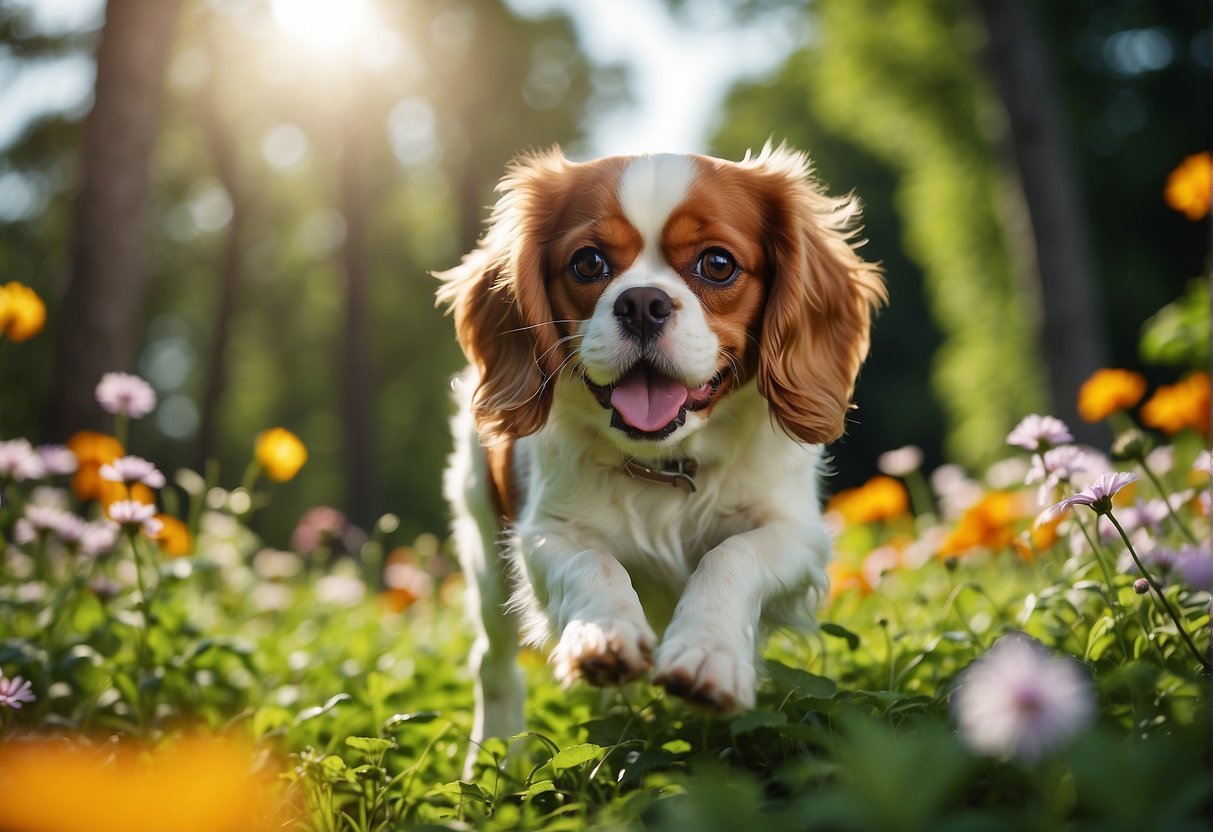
{"x":708,"y":652}
{"x":500,"y":692}
{"x":587,"y":597}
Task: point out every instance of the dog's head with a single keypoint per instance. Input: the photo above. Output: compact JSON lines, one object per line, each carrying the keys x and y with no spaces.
{"x":662,"y":283}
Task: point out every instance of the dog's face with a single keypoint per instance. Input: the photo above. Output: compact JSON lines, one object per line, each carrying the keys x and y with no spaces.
{"x":662,"y":284}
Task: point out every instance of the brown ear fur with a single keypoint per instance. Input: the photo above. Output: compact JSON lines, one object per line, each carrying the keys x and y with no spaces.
{"x":815,"y":331}
{"x":498,"y":296}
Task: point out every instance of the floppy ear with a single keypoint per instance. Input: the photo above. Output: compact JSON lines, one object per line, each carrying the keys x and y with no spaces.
{"x":815,"y":330}
{"x":498,"y":295}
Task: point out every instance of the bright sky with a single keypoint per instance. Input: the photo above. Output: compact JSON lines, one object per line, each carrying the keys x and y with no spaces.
{"x":680,"y":69}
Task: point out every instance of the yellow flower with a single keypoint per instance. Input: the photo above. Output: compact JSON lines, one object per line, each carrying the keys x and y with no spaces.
{"x":880,"y":498}
{"x":1108,"y":391}
{"x":987,"y":524}
{"x":280,"y":453}
{"x":22,"y":312}
{"x":93,"y":450}
{"x":197,"y":784}
{"x":1174,"y":407}
{"x":1188,"y":186}
{"x":174,"y":536}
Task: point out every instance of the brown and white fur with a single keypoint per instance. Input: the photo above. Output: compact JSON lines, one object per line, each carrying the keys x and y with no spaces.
{"x":651,"y":309}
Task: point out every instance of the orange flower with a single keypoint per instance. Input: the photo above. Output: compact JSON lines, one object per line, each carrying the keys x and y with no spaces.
{"x":174,"y":536}
{"x":1037,"y":539}
{"x":846,"y":578}
{"x":1108,"y":391}
{"x":1174,"y":407}
{"x":987,"y":524}
{"x":1188,"y":186}
{"x":199,"y":784}
{"x":880,"y":498}
{"x":280,"y":453}
{"x":93,"y":450}
{"x":22,"y":312}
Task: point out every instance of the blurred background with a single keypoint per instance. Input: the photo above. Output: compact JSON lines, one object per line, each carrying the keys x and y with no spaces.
{"x":243,"y":200}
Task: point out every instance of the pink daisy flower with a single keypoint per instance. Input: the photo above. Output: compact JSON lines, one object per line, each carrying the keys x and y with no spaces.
{"x":14,"y":691}
{"x":127,"y":395}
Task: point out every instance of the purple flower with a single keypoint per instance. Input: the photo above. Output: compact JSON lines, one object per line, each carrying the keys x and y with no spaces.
{"x":133,"y":469}
{"x":127,"y":395}
{"x":1020,"y":701}
{"x":99,"y":538}
{"x":1203,"y":464}
{"x":1053,"y":468}
{"x":57,"y":460}
{"x":1194,"y":564}
{"x":133,"y":515}
{"x":14,"y":691}
{"x":1036,"y":432}
{"x":19,"y":461}
{"x":1098,"y":496}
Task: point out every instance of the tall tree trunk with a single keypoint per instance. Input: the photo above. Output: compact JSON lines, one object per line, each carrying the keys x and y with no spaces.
{"x":101,"y":310}
{"x":221,"y":139}
{"x":1071,"y":338}
{"x":355,"y":363}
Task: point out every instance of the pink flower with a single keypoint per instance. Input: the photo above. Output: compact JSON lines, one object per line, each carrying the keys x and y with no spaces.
{"x":133,"y":469}
{"x":19,"y":461}
{"x":900,"y":462}
{"x":1053,"y":468}
{"x":1020,"y":701}
{"x":99,"y":538}
{"x":14,"y":691}
{"x":127,"y":395}
{"x":57,"y":460}
{"x":133,"y":515}
{"x":1036,"y":432}
{"x":1195,"y":565}
{"x":1098,"y":496}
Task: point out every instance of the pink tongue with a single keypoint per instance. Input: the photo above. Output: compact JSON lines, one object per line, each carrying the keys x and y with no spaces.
{"x":647,"y":400}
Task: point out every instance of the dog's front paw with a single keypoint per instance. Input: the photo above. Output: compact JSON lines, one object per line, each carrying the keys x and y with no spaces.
{"x":603,"y":652}
{"x":711,"y":674}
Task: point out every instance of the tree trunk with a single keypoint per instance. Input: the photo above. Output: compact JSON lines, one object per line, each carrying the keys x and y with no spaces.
{"x":1072,"y":340}
{"x":101,"y":310}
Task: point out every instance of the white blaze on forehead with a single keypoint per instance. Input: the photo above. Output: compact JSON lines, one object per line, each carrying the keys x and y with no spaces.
{"x":650,"y":189}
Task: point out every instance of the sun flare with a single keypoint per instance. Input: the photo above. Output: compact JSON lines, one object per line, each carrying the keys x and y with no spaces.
{"x":324,"y":25}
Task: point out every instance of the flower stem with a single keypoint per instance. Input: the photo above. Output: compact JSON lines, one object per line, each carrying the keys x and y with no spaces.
{"x":1170,"y":509}
{"x":1113,"y":595}
{"x":1162,"y":599}
{"x":143,"y":665}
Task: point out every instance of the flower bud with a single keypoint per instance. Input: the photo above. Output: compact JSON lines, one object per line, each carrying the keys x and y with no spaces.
{"x":1131,"y":445}
{"x":1141,"y":586}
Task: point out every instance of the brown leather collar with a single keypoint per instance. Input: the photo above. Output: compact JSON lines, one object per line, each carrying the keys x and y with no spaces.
{"x":679,"y":473}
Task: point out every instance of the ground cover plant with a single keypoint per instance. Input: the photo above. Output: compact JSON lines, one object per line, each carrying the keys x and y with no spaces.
{"x":1024,"y":650}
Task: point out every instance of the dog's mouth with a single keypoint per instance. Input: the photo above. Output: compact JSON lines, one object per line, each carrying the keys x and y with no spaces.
{"x":647,"y":404}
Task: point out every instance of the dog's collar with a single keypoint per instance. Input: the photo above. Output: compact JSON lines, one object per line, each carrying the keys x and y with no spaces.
{"x":679,"y":473}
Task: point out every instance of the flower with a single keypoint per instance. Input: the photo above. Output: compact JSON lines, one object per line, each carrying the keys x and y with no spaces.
{"x":57,"y":460}
{"x":19,"y":461}
{"x":174,"y":536}
{"x":1098,"y":496}
{"x":319,"y":527}
{"x":129,"y":470}
{"x":880,"y":498}
{"x":1036,"y":432}
{"x":22,"y":312}
{"x":1187,"y":188}
{"x":99,"y":538}
{"x":1108,"y":391}
{"x":127,"y":395}
{"x":987,"y":524}
{"x":1174,"y":407}
{"x":1054,"y":467}
{"x":92,"y":450}
{"x":280,"y":453}
{"x":900,"y":462}
{"x":14,"y":691}
{"x":133,"y":515}
{"x":1194,"y":564}
{"x":1019,"y":701}
{"x":406,"y":583}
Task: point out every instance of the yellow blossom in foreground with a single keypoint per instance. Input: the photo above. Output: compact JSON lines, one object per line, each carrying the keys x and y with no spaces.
{"x":197,"y":784}
{"x":987,"y":524}
{"x":1174,"y":407}
{"x":280,"y":453}
{"x":1108,"y":391}
{"x":22,"y":312}
{"x":174,"y":536}
{"x":880,"y":498}
{"x":1188,"y":186}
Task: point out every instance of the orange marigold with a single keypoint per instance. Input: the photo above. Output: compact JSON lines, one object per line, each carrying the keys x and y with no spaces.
{"x":93,"y":450}
{"x":1108,"y":391}
{"x":987,"y":524}
{"x":281,"y":453}
{"x":22,"y":312}
{"x":174,"y":536}
{"x":880,"y":498}
{"x":1174,"y":407}
{"x":1188,"y":186}
{"x":847,"y":578}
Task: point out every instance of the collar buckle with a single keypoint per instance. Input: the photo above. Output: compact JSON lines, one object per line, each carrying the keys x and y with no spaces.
{"x":680,"y":473}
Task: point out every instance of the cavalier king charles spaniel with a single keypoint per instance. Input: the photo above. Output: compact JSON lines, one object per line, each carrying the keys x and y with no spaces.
{"x":659,"y":346}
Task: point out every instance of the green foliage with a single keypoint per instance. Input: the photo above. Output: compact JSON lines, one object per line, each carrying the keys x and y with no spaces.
{"x":1178,"y":334}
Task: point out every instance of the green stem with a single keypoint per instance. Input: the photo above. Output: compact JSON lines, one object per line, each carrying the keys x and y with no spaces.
{"x":122,"y":430}
{"x":1113,"y":594}
{"x":144,"y":665}
{"x":1162,"y":599}
{"x":1170,"y":510}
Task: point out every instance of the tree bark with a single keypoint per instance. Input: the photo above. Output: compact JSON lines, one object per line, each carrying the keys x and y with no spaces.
{"x":102,"y":307}
{"x":1071,"y":337}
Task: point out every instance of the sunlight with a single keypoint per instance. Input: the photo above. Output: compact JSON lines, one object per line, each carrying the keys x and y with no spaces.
{"x":323,"y":25}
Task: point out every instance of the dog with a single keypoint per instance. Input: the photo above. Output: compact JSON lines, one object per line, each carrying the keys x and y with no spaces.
{"x":658,"y":347}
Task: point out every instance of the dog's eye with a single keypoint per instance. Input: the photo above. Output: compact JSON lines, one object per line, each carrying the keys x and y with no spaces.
{"x":717,"y":266}
{"x":589,"y":264}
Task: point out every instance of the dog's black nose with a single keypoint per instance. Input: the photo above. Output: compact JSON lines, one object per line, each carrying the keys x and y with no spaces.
{"x":642,"y":311}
